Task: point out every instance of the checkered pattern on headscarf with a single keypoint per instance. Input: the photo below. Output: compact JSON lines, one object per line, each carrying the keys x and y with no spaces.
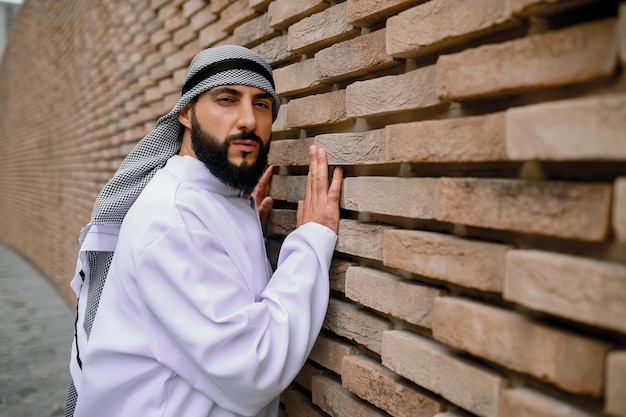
{"x":151,"y":154}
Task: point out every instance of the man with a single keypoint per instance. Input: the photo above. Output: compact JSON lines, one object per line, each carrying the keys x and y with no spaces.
{"x":189,"y":322}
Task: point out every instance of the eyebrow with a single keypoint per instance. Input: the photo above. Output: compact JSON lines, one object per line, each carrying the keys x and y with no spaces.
{"x":228,"y":90}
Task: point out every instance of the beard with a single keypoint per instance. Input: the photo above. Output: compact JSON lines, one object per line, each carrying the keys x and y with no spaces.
{"x":214,"y":155}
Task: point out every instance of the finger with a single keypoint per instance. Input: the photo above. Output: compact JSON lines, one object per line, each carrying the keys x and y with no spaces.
{"x":260,"y":191}
{"x":322,"y":172}
{"x":334,"y":192}
{"x":309,"y":197}
{"x":299,"y":213}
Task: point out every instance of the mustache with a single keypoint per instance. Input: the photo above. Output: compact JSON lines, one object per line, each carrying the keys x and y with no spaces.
{"x":244,"y":136}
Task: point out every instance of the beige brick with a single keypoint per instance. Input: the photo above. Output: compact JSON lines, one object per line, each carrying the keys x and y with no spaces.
{"x":260,"y":5}
{"x":235,"y":14}
{"x":388,"y":294}
{"x":374,"y":383}
{"x":394,"y":93}
{"x":530,"y":7}
{"x":337,"y":274}
{"x":552,"y":208}
{"x":283,"y":13}
{"x":405,"y":197}
{"x":337,"y":401}
{"x":201,"y":19}
{"x":218,"y":5}
{"x":355,"y":57}
{"x":280,"y":124}
{"x":308,"y":371}
{"x":274,"y":51}
{"x":319,"y":30}
{"x":329,"y":353}
{"x":435,"y":368}
{"x":621,"y":36}
{"x":582,"y":53}
{"x":356,"y":324}
{"x":368,"y":11}
{"x":290,"y":152}
{"x":254,"y":31}
{"x":320,"y":109}
{"x":615,"y":403}
{"x":619,"y":209}
{"x":211,"y":35}
{"x":467,"y":139}
{"x":298,"y":78}
{"x":455,"y":413}
{"x":298,"y":405}
{"x":460,"y":261}
{"x":281,"y":222}
{"x":358,"y":148}
{"x":572,"y":362}
{"x":444,"y":23}
{"x":561,"y":131}
{"x":361,"y":239}
{"x":585,"y":290}
{"x":525,"y":402}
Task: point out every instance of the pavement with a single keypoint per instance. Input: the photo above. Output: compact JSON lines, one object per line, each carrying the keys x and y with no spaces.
{"x":36,"y":329}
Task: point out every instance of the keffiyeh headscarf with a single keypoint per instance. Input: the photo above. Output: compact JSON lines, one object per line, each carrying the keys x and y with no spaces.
{"x":223,"y":65}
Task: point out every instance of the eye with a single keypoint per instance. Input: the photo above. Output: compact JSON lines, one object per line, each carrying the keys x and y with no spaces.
{"x":263,"y":104}
{"x":225,"y":99}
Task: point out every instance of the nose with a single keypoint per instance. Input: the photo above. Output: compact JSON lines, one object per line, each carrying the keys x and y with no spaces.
{"x":247,"y":116}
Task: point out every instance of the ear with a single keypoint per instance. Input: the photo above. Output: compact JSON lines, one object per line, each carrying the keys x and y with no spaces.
{"x":184,"y":116}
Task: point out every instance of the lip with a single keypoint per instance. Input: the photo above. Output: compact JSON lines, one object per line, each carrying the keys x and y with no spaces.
{"x":249,"y":145}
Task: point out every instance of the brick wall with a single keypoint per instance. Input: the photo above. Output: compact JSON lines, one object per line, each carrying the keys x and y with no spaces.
{"x":481,"y":262}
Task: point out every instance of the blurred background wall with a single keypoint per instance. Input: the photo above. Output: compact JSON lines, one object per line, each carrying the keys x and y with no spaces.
{"x":481,"y":262}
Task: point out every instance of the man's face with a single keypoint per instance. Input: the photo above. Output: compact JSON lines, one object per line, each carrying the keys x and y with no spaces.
{"x":230,"y":133}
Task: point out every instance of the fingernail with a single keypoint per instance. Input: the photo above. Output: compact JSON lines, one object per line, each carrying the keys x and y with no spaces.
{"x":321,"y":152}
{"x":312,"y":149}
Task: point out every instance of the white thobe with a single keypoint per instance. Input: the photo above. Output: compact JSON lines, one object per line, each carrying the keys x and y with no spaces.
{"x":189,"y":322}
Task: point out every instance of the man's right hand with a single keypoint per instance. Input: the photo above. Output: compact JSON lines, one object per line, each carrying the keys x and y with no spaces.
{"x":321,"y":203}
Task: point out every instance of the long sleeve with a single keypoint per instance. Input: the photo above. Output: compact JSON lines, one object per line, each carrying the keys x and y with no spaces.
{"x":208,"y":326}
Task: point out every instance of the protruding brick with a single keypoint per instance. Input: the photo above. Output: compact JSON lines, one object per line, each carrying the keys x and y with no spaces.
{"x":274,"y":51}
{"x":356,"y":324}
{"x":434,"y":367}
{"x":619,"y":208}
{"x":281,"y":222}
{"x":574,"y":55}
{"x":394,"y":93}
{"x":283,"y":13}
{"x":337,"y":401}
{"x":352,"y":58}
{"x":561,"y":131}
{"x":298,"y":78}
{"x":320,"y":109}
{"x":572,"y":362}
{"x":368,"y":11}
{"x":460,"y":261}
{"x":324,"y":28}
{"x":254,"y":32}
{"x":388,"y":294}
{"x":369,"y":380}
{"x":329,"y":353}
{"x":444,"y":23}
{"x":361,"y":239}
{"x":552,"y":208}
{"x":308,"y":371}
{"x":358,"y":148}
{"x":298,"y":405}
{"x":525,"y":402}
{"x":280,"y":124}
{"x":219,"y":5}
{"x":338,"y":269}
{"x":235,"y":14}
{"x":406,"y":197}
{"x":615,"y":403}
{"x":585,"y":290}
{"x":467,"y":139}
